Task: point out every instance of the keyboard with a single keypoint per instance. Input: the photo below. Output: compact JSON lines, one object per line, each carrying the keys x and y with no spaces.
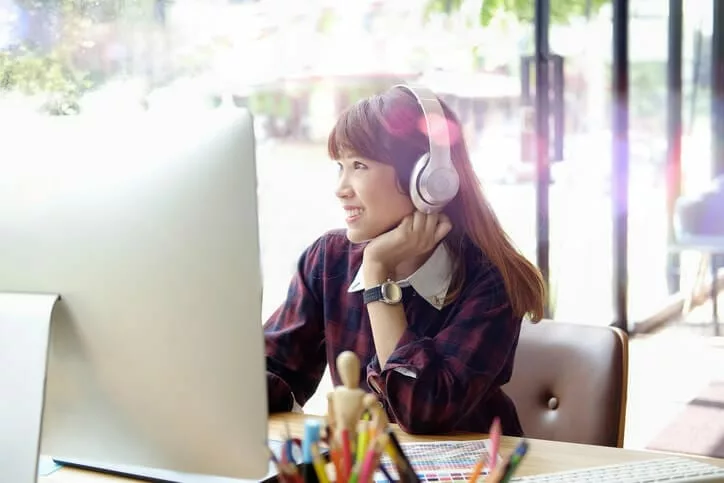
{"x":669,"y":470}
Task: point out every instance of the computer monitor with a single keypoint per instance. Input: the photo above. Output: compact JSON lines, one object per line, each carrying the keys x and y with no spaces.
{"x":147,"y":228}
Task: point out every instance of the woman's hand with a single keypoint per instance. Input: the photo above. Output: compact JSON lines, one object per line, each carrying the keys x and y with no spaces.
{"x":415,"y":236}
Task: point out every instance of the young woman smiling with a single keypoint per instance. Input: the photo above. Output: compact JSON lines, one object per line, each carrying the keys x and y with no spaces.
{"x":431,"y":303}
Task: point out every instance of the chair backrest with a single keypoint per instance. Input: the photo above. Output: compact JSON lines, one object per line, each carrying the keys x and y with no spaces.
{"x":570,"y":382}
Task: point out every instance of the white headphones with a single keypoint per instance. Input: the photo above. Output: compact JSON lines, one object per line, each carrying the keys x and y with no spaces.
{"x":434,"y":181}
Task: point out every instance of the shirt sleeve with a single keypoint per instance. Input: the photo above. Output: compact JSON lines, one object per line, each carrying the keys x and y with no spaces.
{"x":294,"y":336}
{"x":431,"y":383}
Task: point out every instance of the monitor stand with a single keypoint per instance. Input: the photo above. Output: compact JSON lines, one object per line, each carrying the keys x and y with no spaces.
{"x":24,"y":339}
{"x":155,"y":475}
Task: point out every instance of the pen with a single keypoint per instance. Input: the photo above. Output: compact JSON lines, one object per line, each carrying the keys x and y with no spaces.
{"x":404,"y":467}
{"x":503,"y":473}
{"x":385,"y":472}
{"x":291,"y":471}
{"x":515,"y":460}
{"x":319,"y":466}
{"x":478,"y":468}
{"x":288,"y":446}
{"x":280,"y":473}
{"x":346,"y":453}
{"x":354,"y":475}
{"x":362,"y":436}
{"x":335,"y":457}
{"x":371,"y":458}
{"x":312,"y":430}
{"x":495,"y":431}
{"x":310,"y":473}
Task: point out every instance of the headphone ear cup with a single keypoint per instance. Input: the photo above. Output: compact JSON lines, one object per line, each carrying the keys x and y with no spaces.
{"x":434,"y":182}
{"x":442,"y":185}
{"x":416,"y":185}
{"x":430,"y":191}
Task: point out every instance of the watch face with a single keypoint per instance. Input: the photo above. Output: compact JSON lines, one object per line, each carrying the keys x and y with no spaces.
{"x":391,"y":293}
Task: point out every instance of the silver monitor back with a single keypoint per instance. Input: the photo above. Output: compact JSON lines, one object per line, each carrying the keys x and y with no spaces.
{"x":147,"y":228}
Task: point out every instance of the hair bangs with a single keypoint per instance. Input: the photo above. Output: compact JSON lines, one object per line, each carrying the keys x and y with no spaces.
{"x":356,"y":133}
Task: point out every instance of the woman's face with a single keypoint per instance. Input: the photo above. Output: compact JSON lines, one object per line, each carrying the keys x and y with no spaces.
{"x":371,"y":198}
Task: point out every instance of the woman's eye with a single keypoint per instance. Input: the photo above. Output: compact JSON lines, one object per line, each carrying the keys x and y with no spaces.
{"x":358,"y":165}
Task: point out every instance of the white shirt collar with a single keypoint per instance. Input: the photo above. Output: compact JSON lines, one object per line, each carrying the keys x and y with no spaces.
{"x":431,"y":281}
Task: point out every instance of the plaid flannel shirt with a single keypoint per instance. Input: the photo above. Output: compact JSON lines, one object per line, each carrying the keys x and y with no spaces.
{"x":446,"y":371}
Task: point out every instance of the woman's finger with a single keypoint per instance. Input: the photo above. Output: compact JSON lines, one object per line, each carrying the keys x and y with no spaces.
{"x":442,"y":229}
{"x":431,"y":222}
{"x":418,"y":222}
{"x":406,"y":225}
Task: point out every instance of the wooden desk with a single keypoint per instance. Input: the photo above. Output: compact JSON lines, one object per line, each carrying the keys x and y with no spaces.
{"x":543,"y":456}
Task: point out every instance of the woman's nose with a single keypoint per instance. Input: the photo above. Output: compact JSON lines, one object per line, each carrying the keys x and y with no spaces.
{"x":344,"y":190}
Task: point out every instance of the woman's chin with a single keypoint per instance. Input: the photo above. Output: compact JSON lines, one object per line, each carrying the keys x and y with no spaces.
{"x":358,"y":236}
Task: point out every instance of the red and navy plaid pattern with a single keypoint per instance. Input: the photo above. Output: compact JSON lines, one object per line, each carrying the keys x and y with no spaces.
{"x":444,"y":375}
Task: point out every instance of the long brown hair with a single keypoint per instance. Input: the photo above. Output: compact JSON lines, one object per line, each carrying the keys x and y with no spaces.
{"x":386,"y":128}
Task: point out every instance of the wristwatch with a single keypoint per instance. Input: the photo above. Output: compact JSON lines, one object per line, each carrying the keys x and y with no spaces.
{"x":388,"y":292}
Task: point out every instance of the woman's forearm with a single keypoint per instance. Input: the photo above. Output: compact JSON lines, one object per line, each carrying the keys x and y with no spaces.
{"x":388,"y":322}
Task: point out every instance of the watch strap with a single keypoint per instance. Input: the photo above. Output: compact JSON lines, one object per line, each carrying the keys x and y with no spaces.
{"x":372,"y":294}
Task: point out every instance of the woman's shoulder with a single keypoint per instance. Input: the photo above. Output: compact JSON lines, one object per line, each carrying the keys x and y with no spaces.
{"x":338,"y":252}
{"x":335,"y":242}
{"x":335,"y":238}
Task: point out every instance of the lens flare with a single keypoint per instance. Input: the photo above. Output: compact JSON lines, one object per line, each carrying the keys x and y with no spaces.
{"x":439,"y":126}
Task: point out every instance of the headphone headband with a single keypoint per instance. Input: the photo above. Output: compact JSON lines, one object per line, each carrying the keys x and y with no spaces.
{"x":434,"y":182}
{"x":432,"y":110}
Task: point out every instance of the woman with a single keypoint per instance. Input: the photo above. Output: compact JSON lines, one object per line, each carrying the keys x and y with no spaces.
{"x":438,"y":357}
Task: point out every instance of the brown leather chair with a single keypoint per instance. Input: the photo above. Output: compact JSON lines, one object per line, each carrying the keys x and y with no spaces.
{"x":570,"y":382}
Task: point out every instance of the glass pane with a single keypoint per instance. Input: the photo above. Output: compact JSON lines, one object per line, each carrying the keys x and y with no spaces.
{"x":697,"y":158}
{"x":649,"y":288}
{"x":581,"y":229}
{"x":581,"y":253}
{"x":648,"y":244}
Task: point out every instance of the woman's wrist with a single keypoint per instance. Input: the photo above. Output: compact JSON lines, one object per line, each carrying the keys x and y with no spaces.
{"x":374,"y":272}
